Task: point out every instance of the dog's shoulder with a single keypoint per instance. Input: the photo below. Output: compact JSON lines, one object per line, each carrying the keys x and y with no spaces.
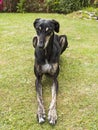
{"x":39,"y":56}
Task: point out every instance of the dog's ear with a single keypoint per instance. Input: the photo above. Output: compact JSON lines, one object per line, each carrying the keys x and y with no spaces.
{"x":56,"y":25}
{"x":63,"y":42}
{"x":34,"y":41}
{"x":35,"y":22}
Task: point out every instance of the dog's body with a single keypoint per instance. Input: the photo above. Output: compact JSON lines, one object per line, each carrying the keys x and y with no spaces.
{"x":48,"y":48}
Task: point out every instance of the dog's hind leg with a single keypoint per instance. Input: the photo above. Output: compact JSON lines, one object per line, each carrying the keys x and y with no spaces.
{"x":52,"y":115}
{"x":41,"y":111}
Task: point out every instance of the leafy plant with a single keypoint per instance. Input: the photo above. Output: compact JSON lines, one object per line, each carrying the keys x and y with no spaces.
{"x":68,"y":6}
{"x":53,"y":5}
{"x":32,"y":5}
{"x":20,"y":6}
{"x":63,"y":6}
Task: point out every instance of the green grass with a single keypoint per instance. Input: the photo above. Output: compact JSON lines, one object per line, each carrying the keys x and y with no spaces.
{"x":77,"y":103}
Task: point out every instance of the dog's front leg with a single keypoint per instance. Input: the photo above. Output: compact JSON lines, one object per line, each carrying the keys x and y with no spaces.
{"x":52,"y":115}
{"x":41,"y":111}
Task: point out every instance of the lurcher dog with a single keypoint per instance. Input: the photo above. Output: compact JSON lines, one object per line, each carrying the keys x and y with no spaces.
{"x":48,"y":48}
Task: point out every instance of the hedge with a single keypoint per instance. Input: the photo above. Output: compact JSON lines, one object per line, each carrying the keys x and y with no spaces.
{"x":58,"y":6}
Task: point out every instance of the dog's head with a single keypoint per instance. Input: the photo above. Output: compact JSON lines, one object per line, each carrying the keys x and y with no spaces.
{"x":44,"y":29}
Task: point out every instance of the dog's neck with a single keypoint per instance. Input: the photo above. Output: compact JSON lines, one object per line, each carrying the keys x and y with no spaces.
{"x":49,"y":48}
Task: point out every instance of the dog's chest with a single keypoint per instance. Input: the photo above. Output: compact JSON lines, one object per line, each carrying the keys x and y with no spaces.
{"x":46,"y":67}
{"x":49,"y":68}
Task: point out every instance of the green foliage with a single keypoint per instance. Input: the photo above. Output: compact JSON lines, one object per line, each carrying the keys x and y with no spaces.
{"x":96,"y":3}
{"x":32,"y":5}
{"x":90,"y":13}
{"x":58,"y":6}
{"x":20,"y":6}
{"x":53,"y":5}
{"x":84,"y":3}
{"x":66,"y":6}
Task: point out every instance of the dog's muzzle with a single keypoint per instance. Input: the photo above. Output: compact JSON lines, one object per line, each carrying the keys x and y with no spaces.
{"x":41,"y":41}
{"x":41,"y":44}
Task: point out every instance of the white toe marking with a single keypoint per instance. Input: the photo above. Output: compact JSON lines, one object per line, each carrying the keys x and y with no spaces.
{"x":41,"y":120}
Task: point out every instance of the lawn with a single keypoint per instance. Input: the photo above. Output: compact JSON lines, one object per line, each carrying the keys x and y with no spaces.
{"x":77,"y":103}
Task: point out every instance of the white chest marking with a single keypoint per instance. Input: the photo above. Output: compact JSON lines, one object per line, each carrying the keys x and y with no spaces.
{"x":49,"y":68}
{"x":46,"y":67}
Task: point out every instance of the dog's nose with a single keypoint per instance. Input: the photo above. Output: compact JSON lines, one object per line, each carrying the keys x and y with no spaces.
{"x":41,"y":45}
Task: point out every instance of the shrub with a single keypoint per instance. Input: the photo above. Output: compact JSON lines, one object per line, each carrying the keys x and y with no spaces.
{"x":67,"y":6}
{"x":20,"y":6}
{"x":84,"y":3}
{"x":63,"y":6}
{"x":58,"y":6}
{"x":32,"y":5}
{"x":96,"y":3}
{"x":53,"y":5}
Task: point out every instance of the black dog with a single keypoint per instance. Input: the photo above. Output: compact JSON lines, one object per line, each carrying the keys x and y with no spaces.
{"x":48,"y":48}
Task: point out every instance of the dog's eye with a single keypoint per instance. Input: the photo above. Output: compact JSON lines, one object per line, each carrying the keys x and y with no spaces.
{"x":47,"y":29}
{"x":38,"y":29}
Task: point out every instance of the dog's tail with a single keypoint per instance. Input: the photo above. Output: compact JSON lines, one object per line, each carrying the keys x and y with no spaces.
{"x":63,"y":43}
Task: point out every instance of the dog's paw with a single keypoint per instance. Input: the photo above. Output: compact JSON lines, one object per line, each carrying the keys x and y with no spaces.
{"x":52,"y":116}
{"x":41,"y":117}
